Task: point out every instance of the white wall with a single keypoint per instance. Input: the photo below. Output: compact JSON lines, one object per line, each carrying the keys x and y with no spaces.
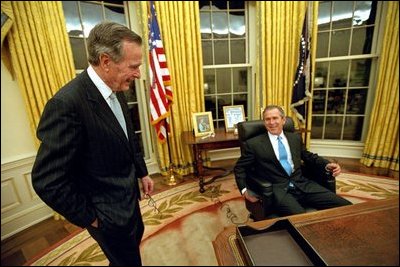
{"x":20,"y":206}
{"x":16,"y":139}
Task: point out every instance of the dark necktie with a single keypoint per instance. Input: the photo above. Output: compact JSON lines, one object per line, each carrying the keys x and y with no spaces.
{"x":116,"y":108}
{"x":283,"y":157}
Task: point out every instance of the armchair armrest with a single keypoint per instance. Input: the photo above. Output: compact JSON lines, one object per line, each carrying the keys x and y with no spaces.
{"x":321,"y":176}
{"x":263,"y":190}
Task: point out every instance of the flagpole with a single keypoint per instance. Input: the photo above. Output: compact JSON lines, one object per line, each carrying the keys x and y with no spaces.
{"x":173,"y":177}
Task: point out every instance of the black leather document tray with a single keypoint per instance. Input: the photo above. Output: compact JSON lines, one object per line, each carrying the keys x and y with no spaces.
{"x":276,"y":245}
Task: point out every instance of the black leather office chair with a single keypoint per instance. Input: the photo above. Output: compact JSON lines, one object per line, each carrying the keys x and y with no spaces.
{"x":265,"y":208}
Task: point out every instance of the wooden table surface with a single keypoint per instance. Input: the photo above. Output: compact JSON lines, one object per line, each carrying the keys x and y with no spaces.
{"x":220,"y":140}
{"x":361,"y":234}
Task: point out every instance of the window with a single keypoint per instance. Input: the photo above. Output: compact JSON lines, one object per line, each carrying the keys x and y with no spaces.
{"x":227,"y":72}
{"x":81,"y":17}
{"x":346,"y":58}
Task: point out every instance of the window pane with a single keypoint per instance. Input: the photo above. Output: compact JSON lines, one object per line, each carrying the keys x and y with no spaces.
{"x":92,"y":14}
{"x":240,"y":99}
{"x":362,"y":40}
{"x":338,"y":73}
{"x":322,"y":44}
{"x":240,"y":80}
{"x":342,"y":16}
{"x":224,"y":81}
{"x":237,"y":26}
{"x":115,"y":2}
{"x":223,"y":100}
{"x":364,"y":13}
{"x":219,"y":24}
{"x":360,"y":71}
{"x":336,"y":101}
{"x":221,"y":51}
{"x":324,"y":16}
{"x":318,"y":101}
{"x":356,"y":101}
{"x":207,"y":52}
{"x":72,"y":22}
{"x":79,"y":53}
{"x":115,"y":14}
{"x":353,"y":128}
{"x":340,"y":43}
{"x":333,"y":127}
{"x":131,"y":93}
{"x":209,"y":81}
{"x":210,"y":105}
{"x":219,"y":5}
{"x":205,"y":25}
{"x":238,"y":51}
{"x":317,"y":127}
{"x":236,"y":5}
{"x":321,"y":75}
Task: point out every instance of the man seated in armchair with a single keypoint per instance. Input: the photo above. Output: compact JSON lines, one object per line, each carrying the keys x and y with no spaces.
{"x":275,"y":158}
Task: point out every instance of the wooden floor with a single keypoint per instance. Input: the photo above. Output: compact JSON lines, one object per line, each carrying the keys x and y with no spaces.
{"x":23,"y":246}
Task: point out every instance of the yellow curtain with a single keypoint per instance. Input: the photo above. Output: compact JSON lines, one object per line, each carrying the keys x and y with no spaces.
{"x":40,"y":56}
{"x":280,"y":25}
{"x":382,"y":143}
{"x":179,"y":23}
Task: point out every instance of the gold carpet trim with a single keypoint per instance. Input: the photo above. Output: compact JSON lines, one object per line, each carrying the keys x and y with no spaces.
{"x":232,"y":243}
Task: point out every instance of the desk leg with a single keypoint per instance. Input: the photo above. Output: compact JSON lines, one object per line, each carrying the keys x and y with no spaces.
{"x":199,"y":167}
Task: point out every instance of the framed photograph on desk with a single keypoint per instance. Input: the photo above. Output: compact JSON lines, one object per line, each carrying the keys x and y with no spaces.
{"x":203,"y":123}
{"x":233,"y":115}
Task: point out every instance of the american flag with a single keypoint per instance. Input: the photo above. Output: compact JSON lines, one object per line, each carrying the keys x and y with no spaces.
{"x":160,"y":82}
{"x":301,"y":86}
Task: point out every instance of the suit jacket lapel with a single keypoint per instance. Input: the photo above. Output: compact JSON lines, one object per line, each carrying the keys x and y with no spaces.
{"x":271,"y":153}
{"x":128,"y":119}
{"x":101,"y":108}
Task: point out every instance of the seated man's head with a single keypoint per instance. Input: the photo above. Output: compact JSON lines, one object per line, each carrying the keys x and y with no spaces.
{"x":274,"y":119}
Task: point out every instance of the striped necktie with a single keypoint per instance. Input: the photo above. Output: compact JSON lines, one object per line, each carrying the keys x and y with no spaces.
{"x":283,"y":157}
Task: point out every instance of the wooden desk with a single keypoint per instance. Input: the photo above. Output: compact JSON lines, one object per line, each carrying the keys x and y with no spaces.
{"x":361,"y":234}
{"x":221,"y":140}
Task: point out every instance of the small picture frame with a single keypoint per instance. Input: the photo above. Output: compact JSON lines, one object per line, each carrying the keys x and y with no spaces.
{"x":203,"y":123}
{"x":233,"y":115}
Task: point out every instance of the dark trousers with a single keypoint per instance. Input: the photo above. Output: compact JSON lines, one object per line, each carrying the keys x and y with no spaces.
{"x":122,"y":249}
{"x":295,"y":202}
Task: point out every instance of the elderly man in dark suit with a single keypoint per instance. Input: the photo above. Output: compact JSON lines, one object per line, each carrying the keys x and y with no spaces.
{"x":89,"y":161}
{"x":276,"y":157}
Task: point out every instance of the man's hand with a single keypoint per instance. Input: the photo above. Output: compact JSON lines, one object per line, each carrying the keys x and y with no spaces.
{"x":148,"y":185}
{"x":334,"y":168}
{"x":95,"y":224}
{"x":250,"y":197}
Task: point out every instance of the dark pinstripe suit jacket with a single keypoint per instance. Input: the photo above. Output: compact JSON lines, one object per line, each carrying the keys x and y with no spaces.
{"x":85,"y":167}
{"x":258,"y":155}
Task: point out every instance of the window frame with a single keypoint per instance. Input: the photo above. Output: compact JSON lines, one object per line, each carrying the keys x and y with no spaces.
{"x":353,"y":148}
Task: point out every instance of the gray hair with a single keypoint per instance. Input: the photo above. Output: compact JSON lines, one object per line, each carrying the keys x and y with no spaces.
{"x":107,"y":38}
{"x":279,"y":108}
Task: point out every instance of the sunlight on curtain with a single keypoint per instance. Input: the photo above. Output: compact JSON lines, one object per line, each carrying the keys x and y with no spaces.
{"x":180,"y":31}
{"x":280,"y":25}
{"x":40,"y":55}
{"x":382,"y":143}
